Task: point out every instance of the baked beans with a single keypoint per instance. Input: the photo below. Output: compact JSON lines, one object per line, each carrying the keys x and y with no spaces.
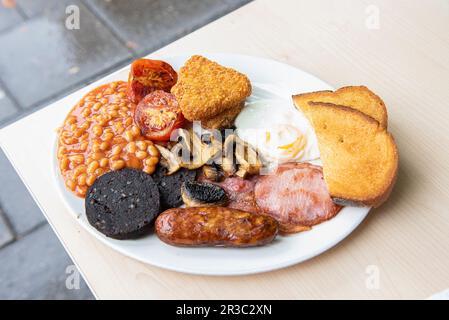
{"x":99,"y":135}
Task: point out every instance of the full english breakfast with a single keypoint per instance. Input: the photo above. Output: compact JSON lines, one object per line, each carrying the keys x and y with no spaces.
{"x":193,"y":158}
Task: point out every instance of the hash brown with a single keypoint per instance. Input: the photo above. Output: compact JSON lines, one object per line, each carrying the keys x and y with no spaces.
{"x":224,"y":119}
{"x":206,"y":88}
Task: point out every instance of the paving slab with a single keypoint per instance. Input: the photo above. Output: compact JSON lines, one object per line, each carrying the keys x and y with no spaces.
{"x":6,"y":235}
{"x":41,"y":58}
{"x":15,"y":200}
{"x":9,"y":17}
{"x":7,"y":107}
{"x":38,"y":268}
{"x":146,"y":25}
{"x":32,"y":8}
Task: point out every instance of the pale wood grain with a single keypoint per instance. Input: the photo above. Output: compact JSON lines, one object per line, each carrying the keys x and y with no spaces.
{"x":406,"y":61}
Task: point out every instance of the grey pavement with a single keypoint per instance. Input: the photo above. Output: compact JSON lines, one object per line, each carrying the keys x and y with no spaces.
{"x":8,"y":109}
{"x":6,"y":234}
{"x":59,"y":58}
{"x":35,"y":275}
{"x":150,"y":31}
{"x":41,"y":61}
{"x":16,"y":202}
{"x":9,"y":18}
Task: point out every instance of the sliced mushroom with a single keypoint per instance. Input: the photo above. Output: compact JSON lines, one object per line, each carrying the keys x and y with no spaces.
{"x":214,"y":148}
{"x":190,"y":152}
{"x":227,"y":161}
{"x":242,"y":173}
{"x":201,"y":153}
{"x":200,"y":194}
{"x":168,"y":160}
{"x":247,"y":158}
{"x":183,"y":137}
{"x":213,"y":173}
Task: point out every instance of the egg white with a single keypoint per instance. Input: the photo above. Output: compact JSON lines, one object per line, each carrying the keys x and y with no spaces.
{"x":278,"y":130}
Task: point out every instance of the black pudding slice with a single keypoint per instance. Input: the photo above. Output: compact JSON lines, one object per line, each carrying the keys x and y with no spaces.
{"x":123,"y":204}
{"x":170,"y":186}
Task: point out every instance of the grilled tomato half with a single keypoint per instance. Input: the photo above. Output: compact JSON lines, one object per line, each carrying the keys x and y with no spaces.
{"x":157,"y":115}
{"x":147,"y":76}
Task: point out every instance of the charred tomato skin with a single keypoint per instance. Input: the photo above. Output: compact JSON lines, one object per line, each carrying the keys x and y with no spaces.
{"x":157,"y":115}
{"x":148,"y":75}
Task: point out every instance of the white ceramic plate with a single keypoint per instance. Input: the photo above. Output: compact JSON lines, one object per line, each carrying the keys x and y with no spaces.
{"x":269,"y":79}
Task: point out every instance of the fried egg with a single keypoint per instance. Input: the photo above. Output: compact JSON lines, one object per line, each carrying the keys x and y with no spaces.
{"x":279,"y":131}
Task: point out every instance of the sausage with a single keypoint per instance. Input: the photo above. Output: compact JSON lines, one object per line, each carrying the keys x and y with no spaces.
{"x":215,"y":226}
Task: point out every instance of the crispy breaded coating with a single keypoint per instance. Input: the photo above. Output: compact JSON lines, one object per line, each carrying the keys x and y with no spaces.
{"x":206,"y":89}
{"x":224,"y":119}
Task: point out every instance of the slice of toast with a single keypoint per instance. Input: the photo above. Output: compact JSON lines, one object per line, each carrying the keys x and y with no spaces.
{"x":356,"y":97}
{"x":360,"y":158}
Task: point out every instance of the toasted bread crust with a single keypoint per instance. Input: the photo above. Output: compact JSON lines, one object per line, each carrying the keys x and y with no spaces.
{"x":346,"y":108}
{"x":206,"y":89}
{"x":352,"y":166}
{"x":356,"y":97}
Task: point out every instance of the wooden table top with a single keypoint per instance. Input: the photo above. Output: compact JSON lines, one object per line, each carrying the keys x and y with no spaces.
{"x":400,"y":49}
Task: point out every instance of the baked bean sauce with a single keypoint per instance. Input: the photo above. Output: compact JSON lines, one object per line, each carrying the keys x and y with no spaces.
{"x":99,"y":135}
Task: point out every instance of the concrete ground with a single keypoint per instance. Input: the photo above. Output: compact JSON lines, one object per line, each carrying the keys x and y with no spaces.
{"x":42,"y":58}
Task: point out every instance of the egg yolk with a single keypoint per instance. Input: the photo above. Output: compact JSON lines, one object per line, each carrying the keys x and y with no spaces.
{"x":296,"y":147}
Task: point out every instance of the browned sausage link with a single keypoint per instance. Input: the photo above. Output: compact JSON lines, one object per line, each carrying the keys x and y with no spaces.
{"x":215,"y":226}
